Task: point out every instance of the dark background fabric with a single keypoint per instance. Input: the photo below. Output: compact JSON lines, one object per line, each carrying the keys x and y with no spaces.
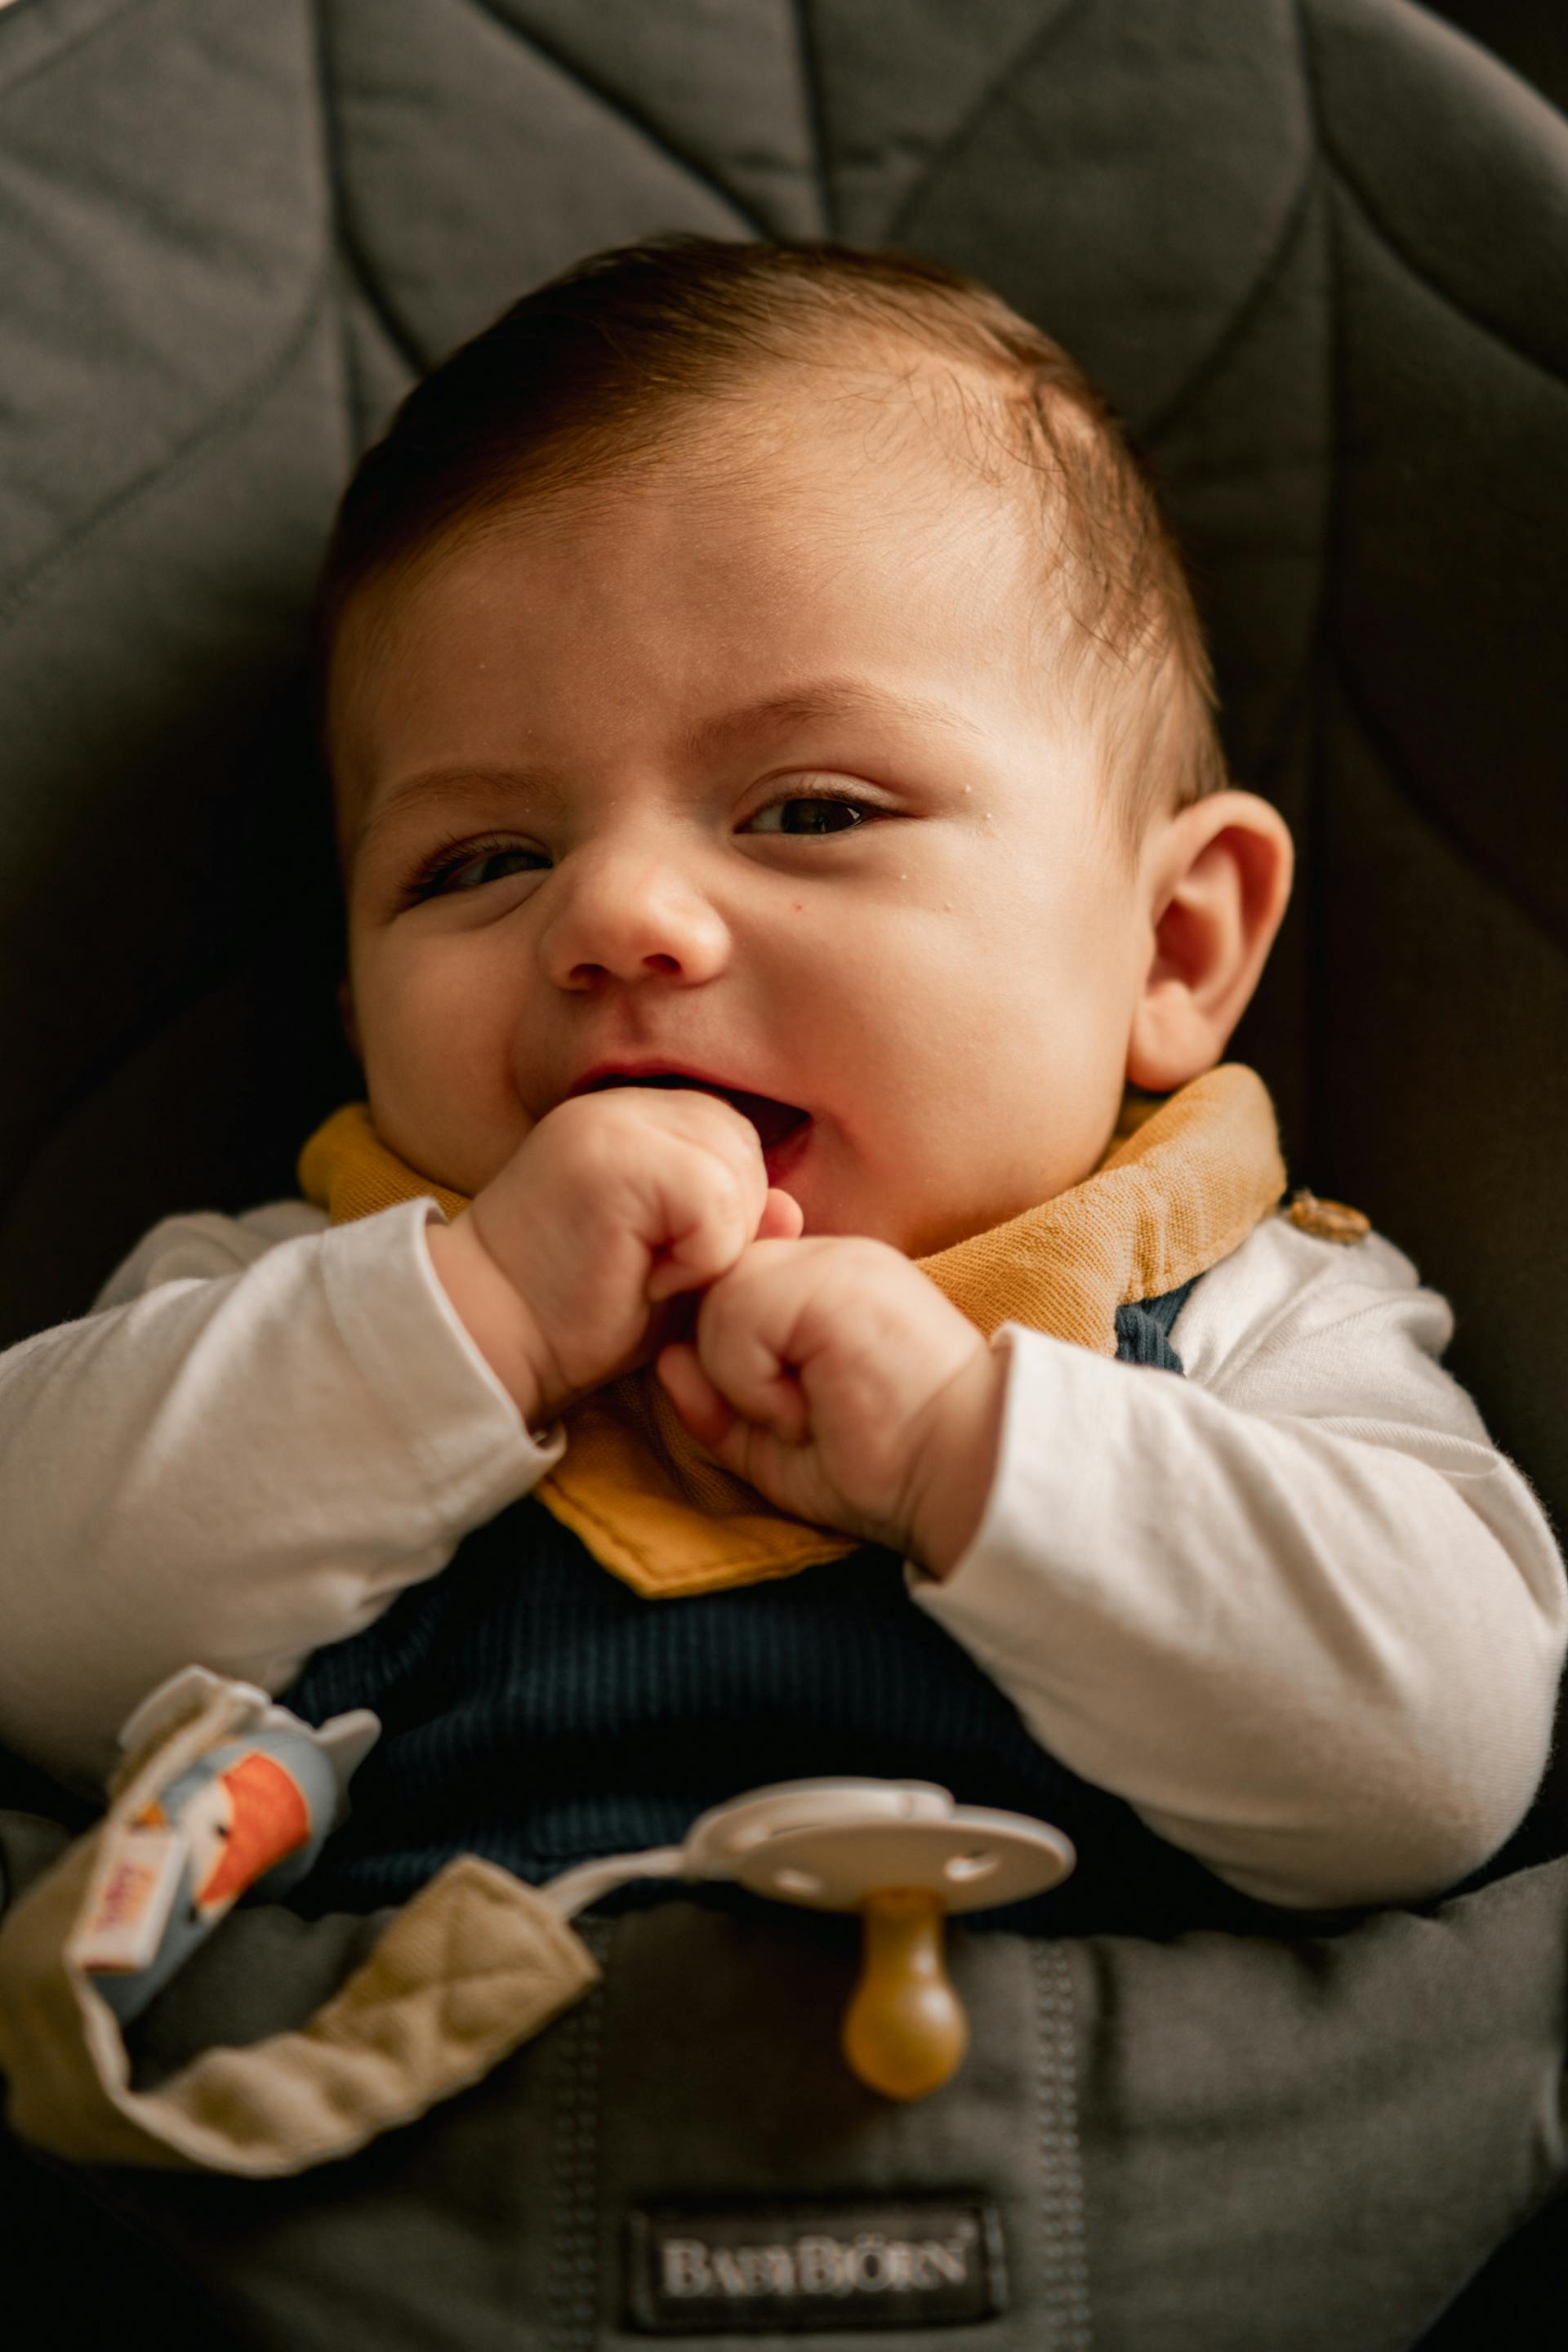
{"x":1530,"y":36}
{"x":1315,"y":252}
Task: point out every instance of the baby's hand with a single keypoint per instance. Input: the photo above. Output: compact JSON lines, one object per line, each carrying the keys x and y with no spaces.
{"x":614,"y":1204}
{"x":834,"y":1376}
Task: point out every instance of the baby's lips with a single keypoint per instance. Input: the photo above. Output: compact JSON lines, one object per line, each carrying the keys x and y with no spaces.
{"x":772,"y":1120}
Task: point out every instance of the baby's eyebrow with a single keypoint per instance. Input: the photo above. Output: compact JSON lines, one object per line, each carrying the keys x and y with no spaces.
{"x":773,"y":714}
{"x":431,"y":786}
{"x":826,"y":698}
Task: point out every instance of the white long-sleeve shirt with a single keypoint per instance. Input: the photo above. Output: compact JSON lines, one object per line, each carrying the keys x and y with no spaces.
{"x":1294,"y":1607}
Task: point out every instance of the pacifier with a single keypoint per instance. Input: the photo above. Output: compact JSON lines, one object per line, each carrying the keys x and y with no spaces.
{"x":899,"y":1853}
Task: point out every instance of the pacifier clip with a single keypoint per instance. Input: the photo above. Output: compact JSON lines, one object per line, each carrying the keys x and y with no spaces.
{"x":224,"y":1795}
{"x":903,"y":1854}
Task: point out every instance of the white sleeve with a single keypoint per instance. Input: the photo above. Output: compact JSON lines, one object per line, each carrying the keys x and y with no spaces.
{"x":266,"y":1431}
{"x":1294,"y":1606}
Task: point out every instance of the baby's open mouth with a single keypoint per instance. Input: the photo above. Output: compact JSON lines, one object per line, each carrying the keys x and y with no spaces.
{"x":772,"y":1120}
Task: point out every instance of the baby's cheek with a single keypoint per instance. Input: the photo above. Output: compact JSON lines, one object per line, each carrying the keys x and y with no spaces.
{"x":443,"y":1088}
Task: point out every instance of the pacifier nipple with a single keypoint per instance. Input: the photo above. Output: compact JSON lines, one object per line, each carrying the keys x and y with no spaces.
{"x":904,"y":2031}
{"x":903,"y":1855}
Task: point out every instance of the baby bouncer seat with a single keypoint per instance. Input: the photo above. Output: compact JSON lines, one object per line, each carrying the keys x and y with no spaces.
{"x":1313,"y":254}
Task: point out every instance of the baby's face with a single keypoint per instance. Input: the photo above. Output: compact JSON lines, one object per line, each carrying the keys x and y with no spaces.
{"x":755,"y":772}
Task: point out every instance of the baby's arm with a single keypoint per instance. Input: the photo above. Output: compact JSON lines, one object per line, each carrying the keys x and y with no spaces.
{"x":263,"y":1435}
{"x":269,"y":1430}
{"x":1294,"y":1605}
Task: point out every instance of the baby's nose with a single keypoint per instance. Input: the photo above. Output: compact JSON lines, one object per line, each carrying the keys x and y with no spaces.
{"x":633,"y":919}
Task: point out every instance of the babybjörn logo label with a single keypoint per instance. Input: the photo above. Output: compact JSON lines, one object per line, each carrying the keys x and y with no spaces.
{"x":915,"y":2262}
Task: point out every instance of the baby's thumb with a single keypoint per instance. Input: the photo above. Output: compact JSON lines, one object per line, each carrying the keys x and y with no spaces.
{"x":783,"y":1218}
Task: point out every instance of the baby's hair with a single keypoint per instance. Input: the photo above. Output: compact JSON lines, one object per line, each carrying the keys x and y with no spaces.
{"x":614,"y":357}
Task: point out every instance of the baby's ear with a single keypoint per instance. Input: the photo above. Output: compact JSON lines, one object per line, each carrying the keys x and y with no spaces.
{"x":346,"y":1017}
{"x":1220,"y":883}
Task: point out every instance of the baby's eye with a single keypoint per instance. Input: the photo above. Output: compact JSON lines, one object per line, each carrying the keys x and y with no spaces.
{"x":825,"y":813}
{"x":492,"y":868}
{"x":472,"y":869}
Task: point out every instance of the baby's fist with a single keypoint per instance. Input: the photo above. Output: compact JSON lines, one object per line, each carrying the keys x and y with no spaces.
{"x":566,"y":1268}
{"x":835,"y":1378}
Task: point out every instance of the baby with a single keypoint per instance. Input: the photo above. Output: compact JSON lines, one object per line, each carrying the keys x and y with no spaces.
{"x":797,"y":912}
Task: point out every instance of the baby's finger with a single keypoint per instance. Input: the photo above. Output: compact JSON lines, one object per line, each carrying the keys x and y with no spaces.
{"x":693,"y":1394}
{"x":782,"y":1219}
{"x":743,"y":1336}
{"x":667,"y":1278}
{"x":695,"y":1260}
{"x":782,"y":1410}
{"x":707,"y":1224}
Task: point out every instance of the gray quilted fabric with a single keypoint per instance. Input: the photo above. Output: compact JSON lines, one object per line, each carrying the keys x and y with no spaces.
{"x":1314,"y":252}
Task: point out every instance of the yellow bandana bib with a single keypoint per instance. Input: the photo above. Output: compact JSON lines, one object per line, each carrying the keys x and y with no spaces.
{"x":1186,"y":1179}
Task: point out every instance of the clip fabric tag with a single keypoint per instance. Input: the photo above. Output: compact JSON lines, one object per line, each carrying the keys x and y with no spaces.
{"x":128,"y":1905}
{"x":476,"y":1963}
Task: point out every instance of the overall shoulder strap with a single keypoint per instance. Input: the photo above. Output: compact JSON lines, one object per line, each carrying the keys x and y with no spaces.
{"x":1143,"y":1329}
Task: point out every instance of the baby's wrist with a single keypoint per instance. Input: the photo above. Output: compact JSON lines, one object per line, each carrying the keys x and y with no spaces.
{"x":961,"y":1453}
{"x":496,"y":1319}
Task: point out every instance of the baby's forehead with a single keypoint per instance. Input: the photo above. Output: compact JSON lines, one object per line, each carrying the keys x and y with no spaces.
{"x":901,"y":431}
{"x":869,"y":401}
{"x":849,"y":473}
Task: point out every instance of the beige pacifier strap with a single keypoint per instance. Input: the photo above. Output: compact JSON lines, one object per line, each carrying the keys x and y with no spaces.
{"x":474,"y":1965}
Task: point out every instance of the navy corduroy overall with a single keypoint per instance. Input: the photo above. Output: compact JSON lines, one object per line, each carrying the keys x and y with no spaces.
{"x":538,"y":1712}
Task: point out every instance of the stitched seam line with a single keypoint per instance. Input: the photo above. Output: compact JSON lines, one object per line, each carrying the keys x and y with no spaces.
{"x":1246,"y":311}
{"x":1063,"y":2263}
{"x":573,"y":2257}
{"x":67,"y":49}
{"x":815,"y":111}
{"x":353,"y":399}
{"x":234,"y":412}
{"x":1473,"y":855}
{"x":753,"y":1553}
{"x":1345,"y":179}
{"x":355,"y":262}
{"x":570,"y":69}
{"x":1001,"y":84}
{"x":1352,"y":189}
